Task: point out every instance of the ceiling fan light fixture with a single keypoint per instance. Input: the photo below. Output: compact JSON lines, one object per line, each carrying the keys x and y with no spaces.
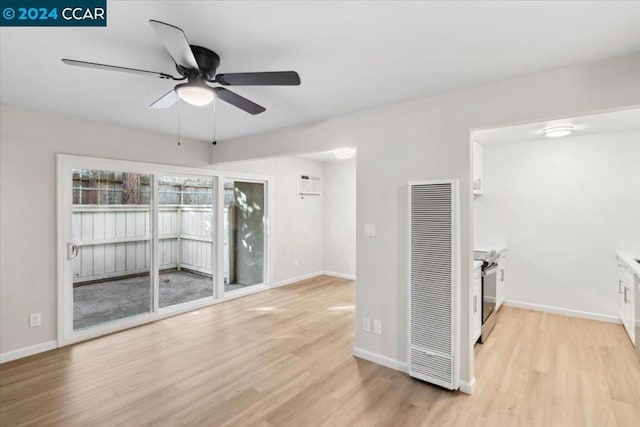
{"x":195,"y":93}
{"x":344,"y":153}
{"x":558,"y":131}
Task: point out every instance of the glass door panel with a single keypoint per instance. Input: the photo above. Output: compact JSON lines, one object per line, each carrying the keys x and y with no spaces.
{"x":185,"y":226}
{"x":111,"y":223}
{"x":244,"y":234}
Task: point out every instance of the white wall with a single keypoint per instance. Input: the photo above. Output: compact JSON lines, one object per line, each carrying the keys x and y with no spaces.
{"x":563,"y":207}
{"x":296,"y":224}
{"x":429,"y":139}
{"x":339,"y":231}
{"x":29,"y":142}
{"x":423,"y":139}
{"x":311,"y":235}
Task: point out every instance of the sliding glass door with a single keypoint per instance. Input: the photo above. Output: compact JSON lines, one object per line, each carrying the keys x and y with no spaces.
{"x":137,"y":242}
{"x":111,"y":246}
{"x":186,"y":224}
{"x":244,"y":234}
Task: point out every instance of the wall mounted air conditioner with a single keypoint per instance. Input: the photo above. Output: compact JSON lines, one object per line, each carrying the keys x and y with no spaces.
{"x":434,"y":282}
{"x":310,"y":185}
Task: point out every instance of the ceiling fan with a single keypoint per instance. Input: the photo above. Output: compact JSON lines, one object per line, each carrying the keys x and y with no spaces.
{"x":198,"y":66}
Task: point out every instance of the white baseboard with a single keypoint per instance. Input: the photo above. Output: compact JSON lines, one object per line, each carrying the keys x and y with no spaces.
{"x":380,"y":359}
{"x":296,"y":279}
{"x":340,"y":275}
{"x":464,"y":387}
{"x":28,"y":351}
{"x":467,"y":387}
{"x":563,"y":311}
{"x":311,"y":276}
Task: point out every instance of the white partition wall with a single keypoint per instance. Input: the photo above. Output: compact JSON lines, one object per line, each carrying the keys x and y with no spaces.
{"x":434,"y":282}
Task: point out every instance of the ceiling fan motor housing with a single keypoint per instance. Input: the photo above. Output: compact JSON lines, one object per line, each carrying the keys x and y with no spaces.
{"x":208,"y":62}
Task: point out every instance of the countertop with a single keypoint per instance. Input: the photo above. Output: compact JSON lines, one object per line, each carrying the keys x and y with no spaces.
{"x":488,"y":248}
{"x":630,"y":258}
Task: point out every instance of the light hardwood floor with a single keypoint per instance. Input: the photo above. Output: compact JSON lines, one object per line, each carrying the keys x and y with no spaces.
{"x":283,"y":358}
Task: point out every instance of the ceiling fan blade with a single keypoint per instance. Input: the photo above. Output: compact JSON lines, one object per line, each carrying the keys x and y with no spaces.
{"x":166,"y":101}
{"x":116,"y":68}
{"x":272,"y":78}
{"x":238,"y":101}
{"x":176,"y":43}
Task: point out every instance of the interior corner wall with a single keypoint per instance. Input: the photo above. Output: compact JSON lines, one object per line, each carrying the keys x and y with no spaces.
{"x":563,"y":206}
{"x":29,"y":142}
{"x":339,"y":217}
{"x":296,"y":222}
{"x":427,"y":139}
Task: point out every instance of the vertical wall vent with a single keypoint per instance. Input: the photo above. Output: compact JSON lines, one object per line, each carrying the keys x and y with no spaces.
{"x":434,"y":267}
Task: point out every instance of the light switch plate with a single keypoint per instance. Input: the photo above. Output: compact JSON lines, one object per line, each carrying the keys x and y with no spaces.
{"x":366,"y":324}
{"x":370,"y":230}
{"x":377,"y":327}
{"x":35,"y":320}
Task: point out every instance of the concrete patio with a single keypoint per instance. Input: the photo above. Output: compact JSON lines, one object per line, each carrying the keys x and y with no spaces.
{"x":106,"y":301}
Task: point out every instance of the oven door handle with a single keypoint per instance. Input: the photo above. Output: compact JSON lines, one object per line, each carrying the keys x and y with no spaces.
{"x":491,"y":270}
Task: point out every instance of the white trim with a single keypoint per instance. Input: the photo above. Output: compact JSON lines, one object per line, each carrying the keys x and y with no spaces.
{"x":308,"y":276}
{"x":380,"y":359}
{"x":154,"y":229}
{"x":562,"y":311}
{"x":293,"y":280}
{"x":28,"y":351}
{"x":467,"y":387}
{"x":251,"y":289}
{"x":339,"y":275}
{"x":218,"y":255}
{"x":476,"y":337}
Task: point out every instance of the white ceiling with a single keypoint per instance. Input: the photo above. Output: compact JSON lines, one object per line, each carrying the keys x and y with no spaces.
{"x":351,"y":56}
{"x":615,"y":121}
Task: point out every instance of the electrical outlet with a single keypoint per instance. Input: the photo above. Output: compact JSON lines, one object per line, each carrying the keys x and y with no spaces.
{"x":34,"y":320}
{"x":377,"y":327}
{"x":366,"y":324}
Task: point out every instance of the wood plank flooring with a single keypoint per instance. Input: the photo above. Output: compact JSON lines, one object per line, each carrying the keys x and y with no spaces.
{"x":283,"y":358}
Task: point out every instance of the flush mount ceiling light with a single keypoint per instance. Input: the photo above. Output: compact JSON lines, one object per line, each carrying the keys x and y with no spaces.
{"x":196,"y":92}
{"x":344,"y":153}
{"x":558,"y":131}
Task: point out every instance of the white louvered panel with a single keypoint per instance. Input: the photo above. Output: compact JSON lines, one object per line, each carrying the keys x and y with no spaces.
{"x":432,"y":365}
{"x":432,"y":282}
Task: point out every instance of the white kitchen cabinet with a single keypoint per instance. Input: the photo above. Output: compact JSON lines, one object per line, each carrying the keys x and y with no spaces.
{"x":501,"y":282}
{"x":476,"y":324}
{"x":478,"y":159}
{"x":626,"y":290}
{"x":621,"y":285}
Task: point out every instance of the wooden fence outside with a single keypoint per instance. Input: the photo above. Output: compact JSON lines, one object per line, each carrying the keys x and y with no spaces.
{"x":114,"y":240}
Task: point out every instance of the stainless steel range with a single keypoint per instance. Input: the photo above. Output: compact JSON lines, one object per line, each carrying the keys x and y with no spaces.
{"x":489,"y":290}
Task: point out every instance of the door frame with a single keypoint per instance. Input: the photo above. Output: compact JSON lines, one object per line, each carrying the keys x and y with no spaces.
{"x":64,"y":202}
{"x":267,"y":244}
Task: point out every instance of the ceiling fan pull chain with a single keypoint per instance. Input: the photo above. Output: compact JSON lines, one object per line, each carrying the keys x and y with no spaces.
{"x":215,"y":125}
{"x":179,"y":136}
